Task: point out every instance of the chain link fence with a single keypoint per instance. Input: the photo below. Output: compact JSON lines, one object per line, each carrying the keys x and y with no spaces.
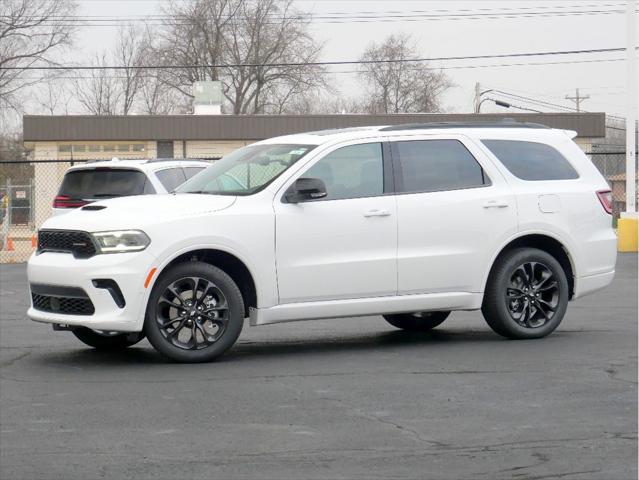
{"x":27,"y":190}
{"x":612,"y":165}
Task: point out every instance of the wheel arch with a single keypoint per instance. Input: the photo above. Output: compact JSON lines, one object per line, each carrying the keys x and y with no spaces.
{"x":230,"y":263}
{"x":548,"y":244}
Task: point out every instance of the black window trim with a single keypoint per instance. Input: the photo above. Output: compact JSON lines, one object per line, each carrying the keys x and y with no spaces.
{"x":387,"y":167}
{"x":397,"y":168}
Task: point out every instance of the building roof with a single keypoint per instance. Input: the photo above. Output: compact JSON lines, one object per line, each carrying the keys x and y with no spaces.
{"x":37,"y":128}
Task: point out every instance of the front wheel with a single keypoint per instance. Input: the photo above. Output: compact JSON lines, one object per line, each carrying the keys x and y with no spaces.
{"x":195,"y":313}
{"x":527,"y":294}
{"x":107,"y":340}
{"x":418,"y":321}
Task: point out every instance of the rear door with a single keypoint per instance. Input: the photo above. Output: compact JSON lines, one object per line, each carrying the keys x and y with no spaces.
{"x":454,"y":210}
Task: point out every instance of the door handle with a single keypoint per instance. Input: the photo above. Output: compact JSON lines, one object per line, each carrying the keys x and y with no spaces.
{"x":377,"y":213}
{"x":495,"y":204}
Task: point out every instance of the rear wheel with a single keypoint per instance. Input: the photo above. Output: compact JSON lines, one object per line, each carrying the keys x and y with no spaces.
{"x":107,"y":340}
{"x":418,"y":321}
{"x":195,"y":313}
{"x":527,"y":294}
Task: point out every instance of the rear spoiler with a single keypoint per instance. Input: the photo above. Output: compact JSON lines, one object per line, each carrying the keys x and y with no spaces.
{"x":571,"y":134}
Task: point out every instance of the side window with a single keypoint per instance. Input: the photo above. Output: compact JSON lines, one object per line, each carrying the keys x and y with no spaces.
{"x":148,"y":187}
{"x":171,"y":178}
{"x":190,"y":171}
{"x":435,"y":165}
{"x":351,"y":172}
{"x":531,"y":160}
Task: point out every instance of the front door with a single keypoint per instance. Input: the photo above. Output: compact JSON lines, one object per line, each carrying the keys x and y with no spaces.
{"x":344,"y":245}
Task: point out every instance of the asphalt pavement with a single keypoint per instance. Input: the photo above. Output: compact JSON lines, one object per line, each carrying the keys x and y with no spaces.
{"x":330,"y":399}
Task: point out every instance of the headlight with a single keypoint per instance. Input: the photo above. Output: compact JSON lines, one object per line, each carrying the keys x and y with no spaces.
{"x":121,"y":241}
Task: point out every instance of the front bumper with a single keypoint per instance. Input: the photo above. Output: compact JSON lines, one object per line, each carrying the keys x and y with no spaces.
{"x":128,"y":270}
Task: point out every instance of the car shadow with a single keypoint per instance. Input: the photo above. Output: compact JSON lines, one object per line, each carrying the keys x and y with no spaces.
{"x":251,"y":350}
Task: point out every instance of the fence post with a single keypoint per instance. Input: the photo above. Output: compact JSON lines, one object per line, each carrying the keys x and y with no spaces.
{"x":6,"y":223}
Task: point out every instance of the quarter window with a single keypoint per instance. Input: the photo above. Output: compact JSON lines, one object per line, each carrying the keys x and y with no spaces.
{"x":171,"y":178}
{"x":191,"y":171}
{"x":531,"y":160}
{"x":351,"y":172}
{"x":434,"y":165}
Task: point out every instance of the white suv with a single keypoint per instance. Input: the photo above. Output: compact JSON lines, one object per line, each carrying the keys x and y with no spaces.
{"x":92,"y":181}
{"x":410,"y":222}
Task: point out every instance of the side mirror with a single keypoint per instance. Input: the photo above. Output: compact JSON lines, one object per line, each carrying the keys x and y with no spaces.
{"x":305,"y":189}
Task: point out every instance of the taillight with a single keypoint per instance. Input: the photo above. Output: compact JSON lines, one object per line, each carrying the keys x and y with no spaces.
{"x":63,"y":201}
{"x":605,"y":197}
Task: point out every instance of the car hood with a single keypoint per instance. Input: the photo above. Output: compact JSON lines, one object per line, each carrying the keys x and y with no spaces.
{"x":138,"y":211}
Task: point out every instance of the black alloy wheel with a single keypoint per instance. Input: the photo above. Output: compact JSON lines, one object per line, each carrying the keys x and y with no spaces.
{"x":195,"y":312}
{"x":526,"y":294}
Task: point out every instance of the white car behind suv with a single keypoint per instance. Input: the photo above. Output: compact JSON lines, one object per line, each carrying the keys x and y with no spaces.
{"x":92,"y":181}
{"x":411,"y":222}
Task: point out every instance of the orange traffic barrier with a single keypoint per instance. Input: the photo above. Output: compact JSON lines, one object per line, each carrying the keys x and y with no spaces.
{"x":9,"y":246}
{"x":34,"y":241}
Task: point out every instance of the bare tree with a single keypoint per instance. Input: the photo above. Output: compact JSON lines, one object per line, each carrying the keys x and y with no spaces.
{"x":129,"y":53}
{"x":99,"y":92}
{"x":400,"y":87}
{"x":158,"y":98}
{"x":274,"y":39}
{"x":220,"y":35}
{"x":114,"y":92}
{"x":193,"y":35}
{"x":53,"y":96}
{"x":31,"y":33}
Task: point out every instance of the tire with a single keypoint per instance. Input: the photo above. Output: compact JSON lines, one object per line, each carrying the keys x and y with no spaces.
{"x":195,"y":313}
{"x":107,"y":341}
{"x":417,"y":322}
{"x":526,"y":295}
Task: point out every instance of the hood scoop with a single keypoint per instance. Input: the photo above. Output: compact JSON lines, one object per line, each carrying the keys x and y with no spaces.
{"x":94,"y":207}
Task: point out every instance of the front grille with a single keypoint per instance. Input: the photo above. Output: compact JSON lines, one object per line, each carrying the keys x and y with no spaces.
{"x":79,"y":244}
{"x":68,"y":305}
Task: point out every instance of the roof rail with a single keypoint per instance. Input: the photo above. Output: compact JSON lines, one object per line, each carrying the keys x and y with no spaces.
{"x":505,"y":123}
{"x":153,"y":160}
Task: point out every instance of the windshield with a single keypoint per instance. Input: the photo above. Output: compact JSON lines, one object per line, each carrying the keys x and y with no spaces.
{"x":245,"y":171}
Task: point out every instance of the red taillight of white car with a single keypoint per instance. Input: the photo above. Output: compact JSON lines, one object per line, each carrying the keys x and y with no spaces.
{"x":63,"y":201}
{"x":605,"y":197}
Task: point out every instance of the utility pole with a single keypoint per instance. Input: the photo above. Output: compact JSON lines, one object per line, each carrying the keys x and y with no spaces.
{"x":577,"y":99}
{"x":477,"y":95}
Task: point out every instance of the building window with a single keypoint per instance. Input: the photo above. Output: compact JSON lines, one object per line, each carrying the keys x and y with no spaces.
{"x":64,"y":148}
{"x":123,"y":147}
{"x":94,"y":148}
{"x":137,"y":147}
{"x":108,"y":148}
{"x":79,"y":148}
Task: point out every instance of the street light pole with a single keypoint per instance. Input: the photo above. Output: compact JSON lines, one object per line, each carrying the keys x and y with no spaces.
{"x":631,"y":117}
{"x":629,"y":221}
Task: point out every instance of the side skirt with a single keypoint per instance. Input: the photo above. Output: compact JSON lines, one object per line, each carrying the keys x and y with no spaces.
{"x":291,"y":312}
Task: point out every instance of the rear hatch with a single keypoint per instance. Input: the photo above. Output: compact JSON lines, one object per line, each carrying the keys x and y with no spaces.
{"x":83,"y":186}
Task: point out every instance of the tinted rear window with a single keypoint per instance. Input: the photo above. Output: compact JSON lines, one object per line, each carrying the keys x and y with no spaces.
{"x":435,"y":165}
{"x":102,"y":183}
{"x":531,"y":160}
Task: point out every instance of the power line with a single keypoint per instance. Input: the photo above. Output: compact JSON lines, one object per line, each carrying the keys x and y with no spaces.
{"x":325,"y":63}
{"x":339,"y":72}
{"x":333,"y":20}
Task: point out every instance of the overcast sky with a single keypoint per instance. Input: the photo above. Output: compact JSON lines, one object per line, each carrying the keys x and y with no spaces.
{"x":605,"y":82}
